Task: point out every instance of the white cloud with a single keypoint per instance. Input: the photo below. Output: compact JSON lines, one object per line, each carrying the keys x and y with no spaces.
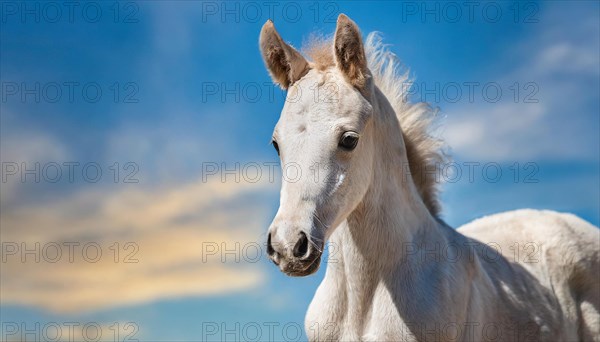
{"x":27,"y":148}
{"x":569,"y":57}
{"x":498,"y":131}
{"x":561,"y":59}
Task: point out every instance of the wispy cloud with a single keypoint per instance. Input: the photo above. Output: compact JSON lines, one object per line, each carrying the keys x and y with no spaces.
{"x":166,"y":226}
{"x":562,"y":64}
{"x":28,"y":147}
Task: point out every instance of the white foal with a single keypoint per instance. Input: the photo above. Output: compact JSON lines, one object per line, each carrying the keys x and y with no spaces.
{"x":399,"y":273}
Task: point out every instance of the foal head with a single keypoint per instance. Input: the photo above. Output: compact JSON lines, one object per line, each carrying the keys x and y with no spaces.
{"x":324,"y":138}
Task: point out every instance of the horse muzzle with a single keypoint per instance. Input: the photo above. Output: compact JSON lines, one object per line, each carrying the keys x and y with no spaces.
{"x":297,"y":259}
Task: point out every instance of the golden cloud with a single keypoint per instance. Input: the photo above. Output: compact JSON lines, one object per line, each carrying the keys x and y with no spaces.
{"x":100,"y":249}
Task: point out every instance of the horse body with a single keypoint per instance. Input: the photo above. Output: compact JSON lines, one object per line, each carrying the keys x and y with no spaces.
{"x":396,"y":271}
{"x":541,"y":288}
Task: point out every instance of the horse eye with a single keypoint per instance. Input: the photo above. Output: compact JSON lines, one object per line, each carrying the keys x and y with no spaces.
{"x":275,"y":146}
{"x":349,"y":141}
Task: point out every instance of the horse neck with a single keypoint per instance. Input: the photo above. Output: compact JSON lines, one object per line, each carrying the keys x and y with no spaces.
{"x":392,"y":213}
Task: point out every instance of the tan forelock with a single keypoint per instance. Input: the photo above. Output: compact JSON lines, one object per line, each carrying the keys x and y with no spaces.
{"x":319,"y":49}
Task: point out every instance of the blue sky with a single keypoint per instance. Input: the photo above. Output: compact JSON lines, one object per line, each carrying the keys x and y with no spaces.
{"x":183,"y":85}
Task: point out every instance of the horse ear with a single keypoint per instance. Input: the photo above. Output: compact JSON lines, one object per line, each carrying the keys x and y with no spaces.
{"x":349,"y":51}
{"x":285,"y":64}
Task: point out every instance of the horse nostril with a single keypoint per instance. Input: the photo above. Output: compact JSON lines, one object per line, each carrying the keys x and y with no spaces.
{"x":270,"y":250}
{"x":301,"y":246}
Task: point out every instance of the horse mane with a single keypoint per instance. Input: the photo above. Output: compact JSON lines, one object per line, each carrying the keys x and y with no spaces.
{"x":417,"y":120}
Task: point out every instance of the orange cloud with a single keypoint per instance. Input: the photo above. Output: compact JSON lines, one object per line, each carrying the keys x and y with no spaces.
{"x":109,"y":248}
